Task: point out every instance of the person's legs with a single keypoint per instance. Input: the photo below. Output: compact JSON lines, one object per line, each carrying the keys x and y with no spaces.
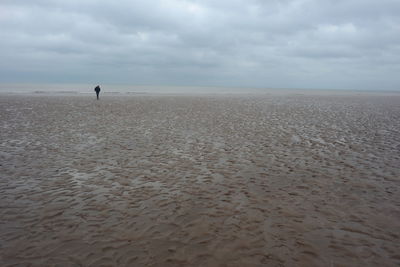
{"x":97,"y":94}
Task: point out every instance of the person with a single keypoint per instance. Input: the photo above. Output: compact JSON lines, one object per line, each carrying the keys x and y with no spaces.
{"x":97,"y":90}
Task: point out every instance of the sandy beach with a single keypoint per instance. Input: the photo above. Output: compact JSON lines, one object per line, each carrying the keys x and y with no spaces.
{"x":200,"y":180}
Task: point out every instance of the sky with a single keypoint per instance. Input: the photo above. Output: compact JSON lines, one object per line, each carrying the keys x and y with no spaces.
{"x":317,"y":44}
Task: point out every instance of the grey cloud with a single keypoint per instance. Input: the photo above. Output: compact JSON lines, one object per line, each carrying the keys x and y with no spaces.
{"x":291,"y":43}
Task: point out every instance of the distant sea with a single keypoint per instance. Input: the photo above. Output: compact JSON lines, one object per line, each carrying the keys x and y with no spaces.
{"x":26,"y":88}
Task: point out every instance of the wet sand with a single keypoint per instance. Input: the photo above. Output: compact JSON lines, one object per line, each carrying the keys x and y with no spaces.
{"x":180,"y":180}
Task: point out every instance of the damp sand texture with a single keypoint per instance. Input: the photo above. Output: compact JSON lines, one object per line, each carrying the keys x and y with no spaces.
{"x":180,"y":180}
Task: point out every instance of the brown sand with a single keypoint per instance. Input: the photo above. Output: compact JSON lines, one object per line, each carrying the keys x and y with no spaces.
{"x":268,"y":180}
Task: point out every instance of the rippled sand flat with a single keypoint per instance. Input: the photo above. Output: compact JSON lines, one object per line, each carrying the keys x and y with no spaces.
{"x":262,"y":180}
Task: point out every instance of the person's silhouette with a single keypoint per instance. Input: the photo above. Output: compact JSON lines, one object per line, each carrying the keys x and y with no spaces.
{"x":97,"y":90}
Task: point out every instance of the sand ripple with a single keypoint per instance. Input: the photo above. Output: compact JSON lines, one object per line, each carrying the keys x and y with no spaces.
{"x":295,"y":180}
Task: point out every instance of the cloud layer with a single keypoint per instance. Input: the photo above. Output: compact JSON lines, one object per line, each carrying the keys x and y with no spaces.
{"x":352,"y":44}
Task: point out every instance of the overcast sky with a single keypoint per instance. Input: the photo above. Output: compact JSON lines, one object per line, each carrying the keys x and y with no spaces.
{"x":342,"y":44}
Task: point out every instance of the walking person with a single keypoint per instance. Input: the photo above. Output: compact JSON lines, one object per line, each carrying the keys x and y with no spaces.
{"x":97,"y":90}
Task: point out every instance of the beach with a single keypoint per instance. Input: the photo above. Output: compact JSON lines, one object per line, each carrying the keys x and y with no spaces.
{"x":294,"y":179}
